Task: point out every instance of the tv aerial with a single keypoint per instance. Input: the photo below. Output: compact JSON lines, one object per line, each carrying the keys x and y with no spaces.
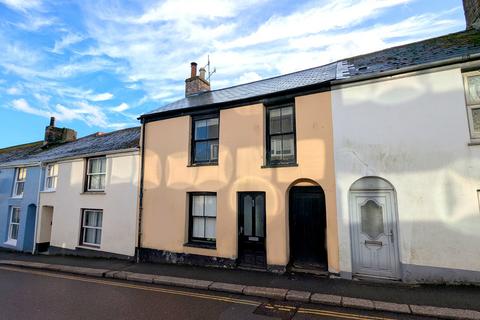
{"x":207,"y":66}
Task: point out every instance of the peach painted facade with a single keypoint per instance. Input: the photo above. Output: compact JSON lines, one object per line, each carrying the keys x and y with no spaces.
{"x":241,"y":159}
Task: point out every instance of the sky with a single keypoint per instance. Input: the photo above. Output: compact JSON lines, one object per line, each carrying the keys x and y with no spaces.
{"x":97,"y":65}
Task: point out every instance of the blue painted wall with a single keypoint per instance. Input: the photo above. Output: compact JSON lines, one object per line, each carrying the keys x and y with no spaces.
{"x":27,"y":205}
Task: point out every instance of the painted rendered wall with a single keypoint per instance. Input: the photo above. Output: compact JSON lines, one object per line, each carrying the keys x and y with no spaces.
{"x":413,"y":131}
{"x":119,"y":204}
{"x":30,"y":194}
{"x":241,"y":157}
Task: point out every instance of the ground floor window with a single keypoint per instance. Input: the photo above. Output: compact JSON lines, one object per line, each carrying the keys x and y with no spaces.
{"x":91,"y":233}
{"x":14,"y":225}
{"x":203,"y":216}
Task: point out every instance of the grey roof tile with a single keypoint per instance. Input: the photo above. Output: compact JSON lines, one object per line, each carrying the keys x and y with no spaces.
{"x":92,"y":144}
{"x":437,"y":49}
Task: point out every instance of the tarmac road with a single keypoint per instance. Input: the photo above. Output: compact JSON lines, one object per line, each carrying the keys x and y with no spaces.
{"x":32,"y":294}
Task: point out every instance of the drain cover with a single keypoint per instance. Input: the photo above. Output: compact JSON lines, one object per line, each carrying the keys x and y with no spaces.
{"x":283,"y":312}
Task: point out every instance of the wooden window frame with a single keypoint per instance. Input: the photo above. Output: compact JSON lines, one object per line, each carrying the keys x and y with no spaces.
{"x":473,"y":135}
{"x":53,"y":177}
{"x":10,"y":224}
{"x":88,"y":175}
{"x":193,"y":141}
{"x":83,"y":227}
{"x":202,"y":242}
{"x":17,"y":181}
{"x":280,"y":163}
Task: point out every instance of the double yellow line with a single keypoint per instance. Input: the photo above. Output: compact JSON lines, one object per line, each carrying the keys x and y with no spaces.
{"x":318,"y":312}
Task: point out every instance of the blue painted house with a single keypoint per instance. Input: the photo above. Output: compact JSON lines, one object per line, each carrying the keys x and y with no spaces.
{"x":20,"y":182}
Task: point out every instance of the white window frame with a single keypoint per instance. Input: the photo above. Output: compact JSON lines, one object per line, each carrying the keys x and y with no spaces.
{"x":473,"y":135}
{"x":53,"y":177}
{"x":83,"y":242}
{"x":89,"y":174}
{"x":18,"y":181}
{"x":11,"y":223}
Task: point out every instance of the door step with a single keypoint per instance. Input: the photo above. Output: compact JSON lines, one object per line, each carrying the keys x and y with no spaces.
{"x":317,"y":272}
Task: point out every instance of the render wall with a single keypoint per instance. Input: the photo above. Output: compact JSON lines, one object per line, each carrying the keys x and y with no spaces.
{"x":30,"y":194}
{"x":168,"y":178}
{"x":119,"y":204}
{"x":413,"y":131}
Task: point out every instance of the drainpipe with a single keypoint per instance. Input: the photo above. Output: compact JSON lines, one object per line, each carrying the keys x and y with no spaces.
{"x":140,"y":200}
{"x":38,"y":208}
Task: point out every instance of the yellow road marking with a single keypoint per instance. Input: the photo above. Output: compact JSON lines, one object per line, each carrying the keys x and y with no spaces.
{"x":194,"y":295}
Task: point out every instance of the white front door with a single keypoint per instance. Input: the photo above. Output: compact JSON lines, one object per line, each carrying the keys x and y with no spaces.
{"x":374,"y":234}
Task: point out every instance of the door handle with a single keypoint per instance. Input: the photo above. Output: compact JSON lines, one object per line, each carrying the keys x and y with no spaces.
{"x":241,"y":231}
{"x":391,"y":235}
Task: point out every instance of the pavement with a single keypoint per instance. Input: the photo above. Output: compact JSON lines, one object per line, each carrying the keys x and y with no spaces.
{"x":452,"y":302}
{"x":34,"y":294}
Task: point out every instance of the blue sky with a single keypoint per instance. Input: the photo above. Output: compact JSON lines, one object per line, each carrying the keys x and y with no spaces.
{"x":97,"y":65}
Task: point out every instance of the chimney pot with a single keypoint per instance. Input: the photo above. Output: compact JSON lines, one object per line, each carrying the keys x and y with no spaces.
{"x":193,"y":66}
{"x":52,"y":121}
{"x":202,"y":73}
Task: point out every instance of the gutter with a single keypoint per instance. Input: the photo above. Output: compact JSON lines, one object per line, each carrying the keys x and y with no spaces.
{"x":140,"y":194}
{"x":37,"y":211}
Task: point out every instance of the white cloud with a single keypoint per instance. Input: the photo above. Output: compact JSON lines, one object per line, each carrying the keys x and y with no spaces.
{"x":24,"y":106}
{"x":121,"y":107}
{"x":66,"y":41}
{"x":101,"y":97}
{"x":14,"y":91}
{"x":22,"y":5}
{"x":249,"y":77}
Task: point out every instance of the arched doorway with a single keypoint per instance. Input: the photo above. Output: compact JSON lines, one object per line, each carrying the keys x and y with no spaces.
{"x":308,"y":226}
{"x":373,"y":226}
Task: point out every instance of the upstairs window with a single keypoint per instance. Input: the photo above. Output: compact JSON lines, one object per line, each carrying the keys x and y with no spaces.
{"x":18,"y":188}
{"x":203,"y":218}
{"x":96,"y":173}
{"x":472,"y":95}
{"x":205,"y":140}
{"x":51,"y":174}
{"x":281,"y":135}
{"x":91,"y":228}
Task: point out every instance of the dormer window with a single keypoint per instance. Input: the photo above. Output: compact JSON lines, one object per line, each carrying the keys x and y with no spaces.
{"x":205,"y":140}
{"x":19,"y":186}
{"x":96,"y":174}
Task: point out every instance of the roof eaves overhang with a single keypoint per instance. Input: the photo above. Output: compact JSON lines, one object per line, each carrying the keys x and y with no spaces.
{"x":207,"y":108}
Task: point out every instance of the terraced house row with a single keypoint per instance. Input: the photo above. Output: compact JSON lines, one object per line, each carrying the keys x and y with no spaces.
{"x":366,"y":167}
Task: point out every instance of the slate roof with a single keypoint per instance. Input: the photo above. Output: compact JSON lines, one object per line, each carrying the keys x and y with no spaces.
{"x":454,"y":45}
{"x":20,"y":152}
{"x":92,"y":144}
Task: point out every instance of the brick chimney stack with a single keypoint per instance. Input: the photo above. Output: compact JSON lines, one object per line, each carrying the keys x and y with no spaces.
{"x":54,"y":135}
{"x":472,"y":13}
{"x":196,"y":83}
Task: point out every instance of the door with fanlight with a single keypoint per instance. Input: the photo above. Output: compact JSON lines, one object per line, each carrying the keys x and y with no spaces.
{"x":374,"y":234}
{"x":251,"y":230}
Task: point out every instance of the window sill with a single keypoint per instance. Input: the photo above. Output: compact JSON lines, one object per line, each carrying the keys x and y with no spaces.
{"x":48,"y":191}
{"x":279,"y":165}
{"x":86,"y":246}
{"x":202,"y":164}
{"x":11,"y":242}
{"x":93,"y":192}
{"x":474,"y":142}
{"x":212,"y":246}
{"x":17,"y":197}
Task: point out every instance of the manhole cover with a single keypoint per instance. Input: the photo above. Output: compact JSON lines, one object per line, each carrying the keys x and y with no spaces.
{"x":275,"y":310}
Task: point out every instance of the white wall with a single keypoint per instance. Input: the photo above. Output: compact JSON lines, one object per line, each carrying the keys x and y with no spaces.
{"x":413,"y":131}
{"x":119,"y":204}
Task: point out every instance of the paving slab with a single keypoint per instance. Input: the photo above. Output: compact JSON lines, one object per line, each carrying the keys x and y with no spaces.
{"x":300,"y":296}
{"x":357,"y":303}
{"x":227,"y":287}
{"x":327,"y":299}
{"x":140,"y":277}
{"x":265,"y":292}
{"x":391,"y":307}
{"x":445,"y":313}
